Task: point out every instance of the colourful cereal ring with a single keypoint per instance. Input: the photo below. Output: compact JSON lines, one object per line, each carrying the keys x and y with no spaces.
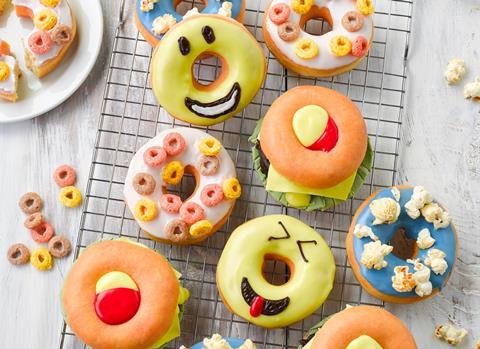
{"x":360,"y":46}
{"x":170,"y":203}
{"x":33,"y":220}
{"x":340,"y":45}
{"x":4,"y":71}
{"x":306,"y":49}
{"x":64,"y":176}
{"x":365,"y":7}
{"x":289,"y":31}
{"x":352,"y":21}
{"x":212,"y":195}
{"x":154,"y":157}
{"x":210,"y":146}
{"x":59,"y":246}
{"x":144,"y":184}
{"x":42,"y":232}
{"x":279,"y":13}
{"x":232,"y":188}
{"x":40,"y":42}
{"x":173,"y":173}
{"x":145,"y":210}
{"x":191,"y":213}
{"x":18,"y":254}
{"x":50,"y":3}
{"x":41,"y":259}
{"x":201,"y":228}
{"x":176,"y":231}
{"x":208,"y":165}
{"x":174,"y":144}
{"x":45,"y":19}
{"x":30,"y":203}
{"x":61,"y":34}
{"x":70,"y":196}
{"x":301,"y":6}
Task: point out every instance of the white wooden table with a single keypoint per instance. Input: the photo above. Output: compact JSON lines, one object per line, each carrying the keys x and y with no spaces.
{"x":440,"y":149}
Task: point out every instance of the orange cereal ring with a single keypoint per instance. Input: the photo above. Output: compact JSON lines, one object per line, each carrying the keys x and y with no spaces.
{"x":43,"y":232}
{"x":311,"y":168}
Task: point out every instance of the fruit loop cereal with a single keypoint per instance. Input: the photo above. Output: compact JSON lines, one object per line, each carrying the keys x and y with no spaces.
{"x":65,"y":176}
{"x":42,"y":233}
{"x":33,"y":220}
{"x":200,"y":228}
{"x":340,"y":46}
{"x":232,"y":188}
{"x":40,"y":42}
{"x":155,"y":156}
{"x":30,"y":203}
{"x":41,"y":259}
{"x":45,"y":20}
{"x":18,"y":254}
{"x":59,"y":246}
{"x":144,"y":184}
{"x":70,"y":196}
{"x":145,"y":210}
{"x":210,"y":146}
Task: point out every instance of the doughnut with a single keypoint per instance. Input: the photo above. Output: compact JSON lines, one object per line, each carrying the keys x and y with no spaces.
{"x":218,"y":342}
{"x":402,"y":245}
{"x":332,"y":53}
{"x":311,"y":149}
{"x":9,"y":73}
{"x":118,"y":289}
{"x":360,"y":327}
{"x":243,"y":287}
{"x":242,"y":73}
{"x":53,"y":33}
{"x":154,"y":18}
{"x":163,"y":215}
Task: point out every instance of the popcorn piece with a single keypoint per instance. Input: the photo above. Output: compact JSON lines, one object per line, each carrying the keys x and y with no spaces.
{"x":403,"y":281}
{"x":191,"y":12}
{"x":217,"y":342}
{"x":422,"y":280}
{"x":162,"y":24}
{"x":420,"y":198}
{"x":472,"y":89}
{"x":455,"y":71}
{"x":424,"y":239}
{"x":226,"y":9}
{"x":362,"y":231}
{"x":385,"y":210}
{"x":373,"y":255}
{"x":146,"y":5}
{"x":436,"y":261}
{"x":433,"y":213}
{"x":248,"y":344}
{"x":450,"y":334}
{"x":396,"y":193}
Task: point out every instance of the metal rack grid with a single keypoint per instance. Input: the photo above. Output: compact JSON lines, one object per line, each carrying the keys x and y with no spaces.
{"x":130,"y":116}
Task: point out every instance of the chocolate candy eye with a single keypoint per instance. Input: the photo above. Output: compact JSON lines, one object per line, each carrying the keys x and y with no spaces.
{"x":184,"y":45}
{"x":208,"y":34}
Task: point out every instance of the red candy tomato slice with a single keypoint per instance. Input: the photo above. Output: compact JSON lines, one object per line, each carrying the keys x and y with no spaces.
{"x":117,"y":305}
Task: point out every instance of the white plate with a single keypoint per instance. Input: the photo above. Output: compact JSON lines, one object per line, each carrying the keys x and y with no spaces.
{"x":38,"y":96}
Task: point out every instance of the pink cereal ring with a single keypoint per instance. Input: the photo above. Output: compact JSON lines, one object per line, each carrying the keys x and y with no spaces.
{"x":191,"y":213}
{"x":279,"y":13}
{"x":174,"y":143}
{"x":65,"y":176}
{"x":42,"y":232}
{"x":170,"y":203}
{"x":212,"y":195}
{"x":154,"y":156}
{"x":360,"y":46}
{"x":40,"y":42}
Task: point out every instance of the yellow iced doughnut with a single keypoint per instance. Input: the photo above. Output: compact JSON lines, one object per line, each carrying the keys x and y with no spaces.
{"x":340,"y":46}
{"x":45,"y":20}
{"x":200,"y":228}
{"x":70,"y":196}
{"x":232,"y":188}
{"x":173,"y":172}
{"x":41,"y":259}
{"x":4,"y":71}
{"x":210,"y":146}
{"x":145,"y":210}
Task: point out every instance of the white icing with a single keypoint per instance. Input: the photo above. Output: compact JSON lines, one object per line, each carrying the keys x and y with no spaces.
{"x":190,"y":157}
{"x":362,"y":231}
{"x":9,"y":84}
{"x":325,"y":59}
{"x":424,"y":239}
{"x":216,"y":109}
{"x":64,"y":16}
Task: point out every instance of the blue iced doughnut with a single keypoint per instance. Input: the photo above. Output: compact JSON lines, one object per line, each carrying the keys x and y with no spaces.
{"x":234,"y":343}
{"x":145,"y":19}
{"x":379,"y":283}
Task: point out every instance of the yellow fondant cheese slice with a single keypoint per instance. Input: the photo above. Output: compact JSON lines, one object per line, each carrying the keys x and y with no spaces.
{"x":309,"y":123}
{"x":364,"y":342}
{"x":277,"y":182}
{"x":115,"y":279}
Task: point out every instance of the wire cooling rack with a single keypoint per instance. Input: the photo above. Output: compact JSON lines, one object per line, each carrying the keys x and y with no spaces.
{"x":130,"y":116}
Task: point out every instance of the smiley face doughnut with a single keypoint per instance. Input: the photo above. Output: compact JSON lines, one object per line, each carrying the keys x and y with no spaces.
{"x":173,"y":81}
{"x":154,"y":18}
{"x":118,"y":289}
{"x":402,"y":245}
{"x":160,"y":165}
{"x":243,"y":287}
{"x":332,"y":53}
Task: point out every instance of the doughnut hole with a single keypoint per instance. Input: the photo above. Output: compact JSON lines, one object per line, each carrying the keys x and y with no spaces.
{"x":404,"y":247}
{"x":276,"y":270}
{"x":208,"y":71}
{"x":182,"y":7}
{"x":317,"y":21}
{"x":187,"y":186}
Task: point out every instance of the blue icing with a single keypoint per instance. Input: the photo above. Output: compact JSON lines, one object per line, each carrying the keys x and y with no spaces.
{"x":163,"y":7}
{"x":234,"y":343}
{"x":382,"y":279}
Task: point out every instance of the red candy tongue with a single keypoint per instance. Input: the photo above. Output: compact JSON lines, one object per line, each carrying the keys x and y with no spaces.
{"x":328,"y":140}
{"x":117,"y":305}
{"x":257,"y":306}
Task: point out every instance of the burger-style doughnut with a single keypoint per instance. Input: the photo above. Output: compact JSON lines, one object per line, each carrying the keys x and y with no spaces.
{"x":109,"y":297}
{"x":242,"y":72}
{"x":164,"y":216}
{"x":402,"y":245}
{"x":154,"y":18}
{"x":243,"y":287}
{"x":361,"y":327}
{"x":332,"y":53}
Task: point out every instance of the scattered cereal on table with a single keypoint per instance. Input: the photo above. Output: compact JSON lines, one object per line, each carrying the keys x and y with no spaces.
{"x":30,"y":203}
{"x":59,"y":246}
{"x":70,"y":196}
{"x":18,"y":254}
{"x":41,"y":259}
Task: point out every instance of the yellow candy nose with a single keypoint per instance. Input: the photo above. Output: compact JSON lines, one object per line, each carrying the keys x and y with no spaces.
{"x":309,"y":123}
{"x":115,"y":279}
{"x":364,"y":342}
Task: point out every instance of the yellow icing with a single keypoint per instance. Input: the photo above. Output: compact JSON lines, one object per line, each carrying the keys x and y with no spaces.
{"x":244,"y":254}
{"x":115,"y":279}
{"x":298,"y":200}
{"x":172,"y":75}
{"x":277,"y":182}
{"x":309,"y":123}
{"x":364,"y":342}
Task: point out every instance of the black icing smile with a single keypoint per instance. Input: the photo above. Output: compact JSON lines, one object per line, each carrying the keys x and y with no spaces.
{"x":216,"y":108}
{"x":270,"y":307}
